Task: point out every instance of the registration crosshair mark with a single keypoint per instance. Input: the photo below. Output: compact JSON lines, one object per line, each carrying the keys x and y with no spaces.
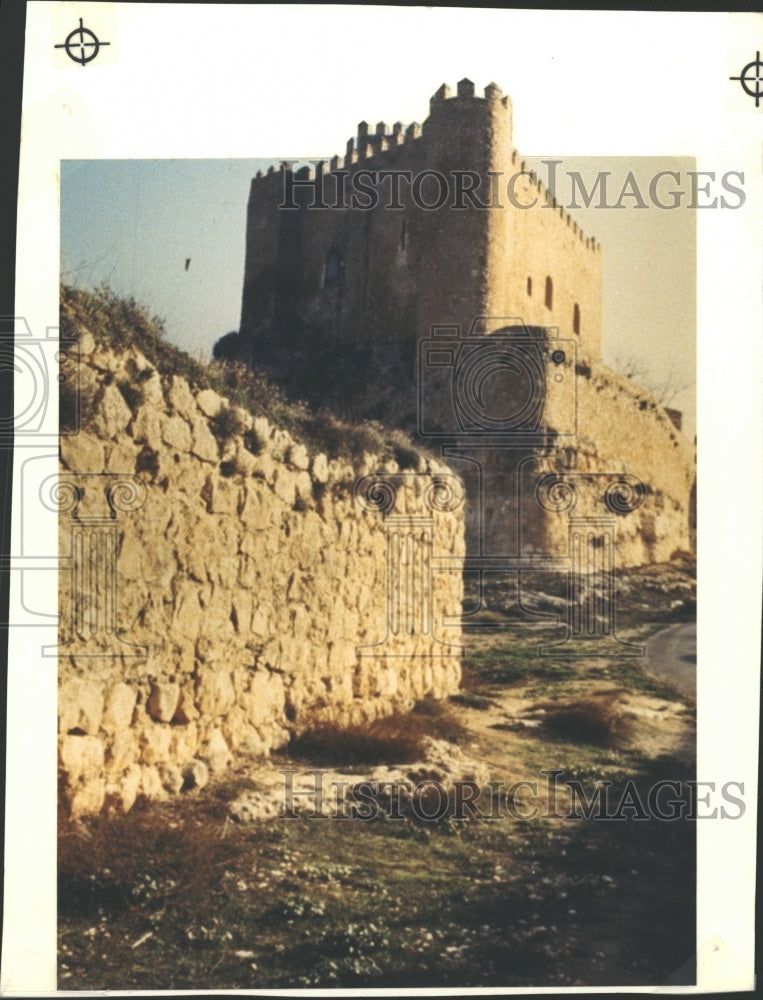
{"x":77,"y":49}
{"x":752,"y":79}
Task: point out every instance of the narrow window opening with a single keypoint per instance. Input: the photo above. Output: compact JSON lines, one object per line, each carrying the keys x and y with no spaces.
{"x":333,"y":267}
{"x":529,"y":286}
{"x":576,"y":319}
{"x":549,"y":293}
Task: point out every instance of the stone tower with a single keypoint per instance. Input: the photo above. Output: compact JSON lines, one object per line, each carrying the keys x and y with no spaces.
{"x":374,"y":283}
{"x":415,"y":227}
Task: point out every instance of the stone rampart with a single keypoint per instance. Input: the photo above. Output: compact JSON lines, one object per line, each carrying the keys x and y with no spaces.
{"x":223,"y":589}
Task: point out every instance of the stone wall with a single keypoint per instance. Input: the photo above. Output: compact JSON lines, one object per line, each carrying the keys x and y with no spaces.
{"x":221,"y":590}
{"x":628,"y":462}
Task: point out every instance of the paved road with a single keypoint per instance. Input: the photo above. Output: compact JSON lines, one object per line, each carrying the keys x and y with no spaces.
{"x":672,"y":655}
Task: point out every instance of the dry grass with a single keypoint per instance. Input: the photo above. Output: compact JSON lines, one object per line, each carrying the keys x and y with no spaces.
{"x":596,"y":719}
{"x":395,"y":739}
{"x":139,"y":861}
{"x":119,"y":323}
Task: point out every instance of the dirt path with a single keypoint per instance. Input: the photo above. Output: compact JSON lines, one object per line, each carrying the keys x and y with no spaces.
{"x":672,"y":654}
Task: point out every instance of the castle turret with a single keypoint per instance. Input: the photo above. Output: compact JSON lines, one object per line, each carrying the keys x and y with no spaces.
{"x":433,"y":224}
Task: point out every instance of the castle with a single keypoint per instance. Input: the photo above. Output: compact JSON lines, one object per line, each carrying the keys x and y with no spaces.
{"x":430,"y":280}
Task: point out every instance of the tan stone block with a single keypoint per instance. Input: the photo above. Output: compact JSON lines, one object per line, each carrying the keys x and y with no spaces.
{"x":252,"y":544}
{"x":113,"y":414}
{"x":341,"y":689}
{"x":320,"y":468}
{"x":146,"y":425}
{"x":204,"y":444}
{"x":301,"y":623}
{"x":265,"y":466}
{"x":181,"y":398}
{"x":119,"y":707}
{"x":217,"y":620}
{"x":244,"y":462}
{"x":236,"y":729}
{"x":82,"y":453}
{"x":342,"y":658}
{"x":296,"y":655}
{"x":183,"y":658}
{"x":121,"y":458}
{"x":159,"y":563}
{"x":80,"y":705}
{"x":81,"y":758}
{"x":285,"y":485}
{"x":172,"y":778}
{"x":151,"y":783}
{"x":365,"y":599}
{"x":153,"y":393}
{"x":122,"y":751}
{"x":176,"y":433}
{"x":221,"y":495}
{"x":209,"y":402}
{"x":163,"y":701}
{"x":187,"y":613}
{"x":385,"y":683}
{"x":361,"y":679}
{"x":184,"y":742}
{"x":248,"y":573}
{"x":252,"y":510}
{"x":264,"y":701}
{"x":297,"y":457}
{"x":259,"y":622}
{"x":129,"y":787}
{"x":155,"y":744}
{"x":215,"y":693}
{"x":303,"y":487}
{"x":215,"y":752}
{"x":88,"y":799}
{"x":223,"y":572}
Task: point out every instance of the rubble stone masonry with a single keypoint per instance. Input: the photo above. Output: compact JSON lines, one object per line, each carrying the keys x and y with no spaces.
{"x":215,"y":600}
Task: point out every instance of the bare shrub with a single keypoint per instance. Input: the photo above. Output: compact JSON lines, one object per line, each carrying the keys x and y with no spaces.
{"x":395,"y":739}
{"x":596,"y":719}
{"x":227,"y":424}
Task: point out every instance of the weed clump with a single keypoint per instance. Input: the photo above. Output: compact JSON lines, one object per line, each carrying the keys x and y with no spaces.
{"x":253,"y":442}
{"x":396,"y":739}
{"x":227,"y":424}
{"x":596,"y":720}
{"x":342,"y":746}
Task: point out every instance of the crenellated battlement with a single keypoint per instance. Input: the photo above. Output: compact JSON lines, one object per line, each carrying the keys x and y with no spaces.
{"x":411,"y":147}
{"x":465,"y":89}
{"x":443,"y":216}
